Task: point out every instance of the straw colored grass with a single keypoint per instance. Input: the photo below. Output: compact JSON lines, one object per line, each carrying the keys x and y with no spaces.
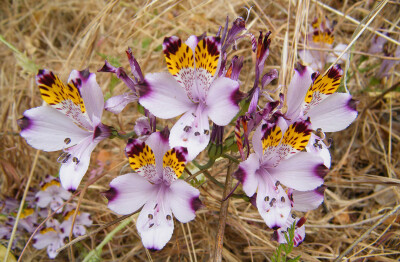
{"x":363,"y":183}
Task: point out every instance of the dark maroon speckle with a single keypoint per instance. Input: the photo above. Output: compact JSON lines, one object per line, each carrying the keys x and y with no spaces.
{"x":110,"y":194}
{"x":164,"y":134}
{"x":301,"y":222}
{"x":97,"y":132}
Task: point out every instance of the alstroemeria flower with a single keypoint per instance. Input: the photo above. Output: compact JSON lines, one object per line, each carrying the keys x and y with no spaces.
{"x":193,"y":89}
{"x":156,"y":187}
{"x":313,"y":95}
{"x":51,"y":237}
{"x":71,"y":122}
{"x":82,"y":219}
{"x":276,"y":162}
{"x":52,"y":194}
{"x":321,"y":37}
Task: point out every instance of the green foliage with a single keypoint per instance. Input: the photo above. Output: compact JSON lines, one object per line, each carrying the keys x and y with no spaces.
{"x":277,"y":256}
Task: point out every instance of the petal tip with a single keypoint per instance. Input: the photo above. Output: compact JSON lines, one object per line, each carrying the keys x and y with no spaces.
{"x":196,"y":203}
{"x":321,"y":170}
{"x":24,"y":123}
{"x":110,"y":194}
{"x":237,"y":96}
{"x":240,"y":174}
{"x":300,"y":68}
{"x":352,"y":104}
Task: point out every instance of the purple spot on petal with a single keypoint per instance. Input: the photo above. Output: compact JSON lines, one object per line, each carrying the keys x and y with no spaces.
{"x":300,"y":68}
{"x":110,"y":194}
{"x":352,"y":104}
{"x":275,"y":227}
{"x":237,"y":96}
{"x":24,"y":123}
{"x":72,"y":189}
{"x":240,"y":174}
{"x":144,"y":89}
{"x":196,"y":203}
{"x":164,"y":134}
{"x":152,"y":249}
{"x":321,"y":170}
{"x":84,"y":74}
{"x":335,"y":72}
{"x":314,"y":76}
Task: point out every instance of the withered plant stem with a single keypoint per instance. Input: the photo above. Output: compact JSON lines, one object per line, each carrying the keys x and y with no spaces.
{"x":219,"y":243}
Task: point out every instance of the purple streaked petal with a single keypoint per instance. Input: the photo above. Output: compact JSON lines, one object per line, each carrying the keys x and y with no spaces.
{"x":116,"y":104}
{"x":142,"y":126}
{"x":268,"y":77}
{"x":303,"y":171}
{"x":163,"y":96}
{"x":222,"y":100}
{"x":91,"y":94}
{"x":47,"y":129}
{"x":128,"y":193}
{"x":120,"y":73}
{"x":297,"y":90}
{"x":334,"y":113}
{"x":155,"y":224}
{"x":135,"y":67}
{"x":246,"y":174}
{"x":181,"y":196}
{"x":308,"y":200}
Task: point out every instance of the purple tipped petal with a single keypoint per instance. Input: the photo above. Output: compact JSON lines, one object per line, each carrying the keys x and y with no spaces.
{"x":135,"y":67}
{"x":47,"y":129}
{"x":299,"y":233}
{"x":164,"y":97}
{"x":308,"y":200}
{"x":303,"y":171}
{"x":334,"y":113}
{"x":246,"y":174}
{"x":222,"y":100}
{"x":184,"y":200}
{"x":128,"y":193}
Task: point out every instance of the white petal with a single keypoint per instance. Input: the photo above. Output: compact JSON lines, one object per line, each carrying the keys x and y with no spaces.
{"x":317,"y":147}
{"x":153,"y":226}
{"x":334,"y":113}
{"x":45,"y":128}
{"x":222,"y":100}
{"x":128,"y":193}
{"x":191,"y":132}
{"x":43,"y":198}
{"x":71,"y":173}
{"x":163,"y":96}
{"x":184,"y":200}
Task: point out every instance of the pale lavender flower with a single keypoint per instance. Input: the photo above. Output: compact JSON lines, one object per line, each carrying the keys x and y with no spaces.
{"x":277,"y":162}
{"x":156,"y":187}
{"x":51,"y":237}
{"x":71,"y":122}
{"x":52,"y":194}
{"x":82,"y":221}
{"x":191,"y":88}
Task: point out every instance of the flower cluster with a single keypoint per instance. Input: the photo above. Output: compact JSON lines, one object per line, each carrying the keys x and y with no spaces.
{"x":50,"y":198}
{"x":284,"y":172}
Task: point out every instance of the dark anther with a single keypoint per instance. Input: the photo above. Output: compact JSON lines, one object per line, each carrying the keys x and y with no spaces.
{"x":197,"y":133}
{"x":151,"y":225}
{"x":67,"y":140}
{"x":187,"y":128}
{"x":206,"y":132}
{"x":272,"y":202}
{"x":169,"y":217}
{"x":266,"y":199}
{"x":150,"y":216}
{"x":75,"y":160}
{"x":283,"y":199}
{"x":277,"y":183}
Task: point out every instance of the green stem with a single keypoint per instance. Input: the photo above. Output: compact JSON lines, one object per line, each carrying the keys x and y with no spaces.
{"x":97,"y":252}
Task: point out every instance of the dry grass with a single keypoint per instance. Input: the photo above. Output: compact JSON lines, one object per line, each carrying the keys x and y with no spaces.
{"x":363,"y":183}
